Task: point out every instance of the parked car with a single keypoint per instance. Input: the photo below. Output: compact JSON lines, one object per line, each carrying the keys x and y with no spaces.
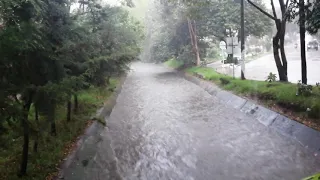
{"x":313,"y":45}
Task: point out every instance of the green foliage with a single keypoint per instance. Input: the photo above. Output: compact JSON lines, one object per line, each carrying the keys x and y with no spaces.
{"x":314,"y":177}
{"x":173,"y":63}
{"x":51,"y":149}
{"x":49,"y":54}
{"x":304,"y":89}
{"x":271,"y":77}
{"x":186,"y":56}
{"x":312,"y":14}
{"x":214,"y":17}
{"x":313,"y":18}
{"x":213,"y":53}
{"x":224,"y":81}
{"x":168,"y":31}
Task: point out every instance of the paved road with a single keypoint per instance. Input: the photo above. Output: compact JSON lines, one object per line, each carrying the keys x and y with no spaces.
{"x":260,"y":68}
{"x":164,"y":127}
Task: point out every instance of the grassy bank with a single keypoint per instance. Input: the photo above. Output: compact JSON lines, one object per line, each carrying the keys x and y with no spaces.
{"x":174,"y":63}
{"x":51,"y":149}
{"x":281,"y":97}
{"x":274,"y":94}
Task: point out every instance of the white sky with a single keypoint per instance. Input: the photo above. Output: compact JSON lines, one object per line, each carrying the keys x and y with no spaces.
{"x":112,"y":2}
{"x":268,"y":3}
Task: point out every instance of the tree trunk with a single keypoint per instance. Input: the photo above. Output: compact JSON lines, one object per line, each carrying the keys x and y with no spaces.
{"x":69,"y":110}
{"x":302,"y":42}
{"x":25,"y":126}
{"x":76,"y":103}
{"x":282,"y":34}
{"x":52,"y":120}
{"x":53,"y":128}
{"x":194,"y":42}
{"x":284,"y":63}
{"x":35,"y":145}
{"x":278,"y":43}
{"x":277,"y":59}
{"x":108,"y":80}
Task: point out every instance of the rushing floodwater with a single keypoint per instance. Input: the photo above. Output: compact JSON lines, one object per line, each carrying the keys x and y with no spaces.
{"x":164,"y":127}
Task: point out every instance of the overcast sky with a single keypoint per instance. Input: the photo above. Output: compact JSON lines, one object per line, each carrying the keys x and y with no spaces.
{"x":267,"y":2}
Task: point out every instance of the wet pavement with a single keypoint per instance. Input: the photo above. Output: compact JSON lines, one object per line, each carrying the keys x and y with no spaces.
{"x":164,"y":127}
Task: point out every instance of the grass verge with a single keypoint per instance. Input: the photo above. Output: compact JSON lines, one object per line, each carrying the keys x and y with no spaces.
{"x":173,"y":63}
{"x":279,"y":96}
{"x":52,"y":149}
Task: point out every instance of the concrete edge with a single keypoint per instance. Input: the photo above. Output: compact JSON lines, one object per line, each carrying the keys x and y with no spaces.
{"x":93,"y":129}
{"x":306,"y":136}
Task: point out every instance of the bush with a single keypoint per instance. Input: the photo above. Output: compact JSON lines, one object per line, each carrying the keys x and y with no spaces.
{"x":224,"y":81}
{"x":186,"y":56}
{"x":304,"y":89}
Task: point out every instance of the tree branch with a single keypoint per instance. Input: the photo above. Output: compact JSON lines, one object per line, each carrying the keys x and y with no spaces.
{"x":261,"y":10}
{"x":282,"y":7}
{"x":287,"y":3}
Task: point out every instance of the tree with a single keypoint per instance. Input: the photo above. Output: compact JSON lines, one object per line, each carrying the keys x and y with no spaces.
{"x":307,"y":14}
{"x":278,"y":39}
{"x":181,"y":27}
{"x":49,"y":54}
{"x":302,"y":24}
{"x":300,"y":5}
{"x":313,"y":16}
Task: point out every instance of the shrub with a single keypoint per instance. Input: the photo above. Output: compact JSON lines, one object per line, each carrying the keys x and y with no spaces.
{"x":224,"y":81}
{"x":271,"y":77}
{"x":304,"y":89}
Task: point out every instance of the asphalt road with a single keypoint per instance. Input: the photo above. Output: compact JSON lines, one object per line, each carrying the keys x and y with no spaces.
{"x":260,"y":68}
{"x":164,"y":127}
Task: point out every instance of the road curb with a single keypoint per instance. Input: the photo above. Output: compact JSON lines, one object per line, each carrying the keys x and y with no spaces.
{"x":305,"y":135}
{"x":92,"y":131}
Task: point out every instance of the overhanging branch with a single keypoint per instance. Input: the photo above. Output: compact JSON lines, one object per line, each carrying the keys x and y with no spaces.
{"x":261,"y":10}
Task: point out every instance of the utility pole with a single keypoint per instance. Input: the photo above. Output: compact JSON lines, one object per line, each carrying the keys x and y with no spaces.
{"x":243,"y":53}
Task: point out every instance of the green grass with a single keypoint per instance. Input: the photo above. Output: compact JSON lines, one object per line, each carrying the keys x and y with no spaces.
{"x":173,"y":63}
{"x":283,"y":94}
{"x":51,"y":149}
